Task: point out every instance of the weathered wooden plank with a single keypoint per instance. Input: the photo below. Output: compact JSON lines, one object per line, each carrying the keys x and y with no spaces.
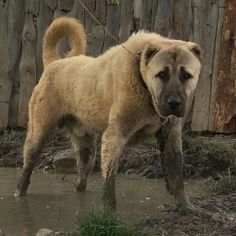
{"x":51,"y":4}
{"x":101,"y":11}
{"x":81,"y":12}
{"x":112,"y":24}
{"x":181,"y":19}
{"x":221,"y":11}
{"x":27,"y":68}
{"x":66,"y":5}
{"x":146,"y":20}
{"x":14,"y":101}
{"x":31,"y":6}
{"x":91,"y":27}
{"x":205,"y":16}
{"x":75,"y":9}
{"x":126,"y":20}
{"x":64,"y":43}
{"x":43,"y":21}
{"x":15,"y":26}
{"x":223,"y":104}
{"x":196,"y":20}
{"x":88,"y":21}
{"x":162,"y":23}
{"x":155,"y":4}
{"x":138,"y":7}
{"x":95,"y":32}
{"x":5,"y":83}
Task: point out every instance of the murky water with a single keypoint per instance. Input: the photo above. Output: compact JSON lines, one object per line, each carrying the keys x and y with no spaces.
{"x":51,"y":202}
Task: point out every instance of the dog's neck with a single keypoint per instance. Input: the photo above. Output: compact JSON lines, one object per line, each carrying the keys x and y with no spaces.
{"x":139,"y":74}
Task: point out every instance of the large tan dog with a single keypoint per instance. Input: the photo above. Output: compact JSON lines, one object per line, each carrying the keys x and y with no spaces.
{"x":123,"y":95}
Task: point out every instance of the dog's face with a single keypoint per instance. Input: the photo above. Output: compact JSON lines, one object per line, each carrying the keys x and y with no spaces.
{"x":170,"y":71}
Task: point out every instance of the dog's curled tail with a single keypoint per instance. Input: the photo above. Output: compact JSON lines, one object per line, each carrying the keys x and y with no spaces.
{"x":63,"y":26}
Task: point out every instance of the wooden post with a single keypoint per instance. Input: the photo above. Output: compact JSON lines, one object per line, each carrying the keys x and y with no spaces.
{"x":27,"y":68}
{"x":223,"y":107}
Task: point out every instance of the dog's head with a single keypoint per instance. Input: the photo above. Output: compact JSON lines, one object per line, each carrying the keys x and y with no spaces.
{"x":170,"y":71}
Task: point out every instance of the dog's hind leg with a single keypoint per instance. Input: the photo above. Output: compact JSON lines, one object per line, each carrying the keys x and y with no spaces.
{"x":85,"y":151}
{"x":34,"y":143}
{"x":40,"y":128}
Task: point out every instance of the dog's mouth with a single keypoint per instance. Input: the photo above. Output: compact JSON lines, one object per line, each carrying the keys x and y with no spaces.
{"x":173,"y":109}
{"x":177,"y":113}
{"x":173,"y":103}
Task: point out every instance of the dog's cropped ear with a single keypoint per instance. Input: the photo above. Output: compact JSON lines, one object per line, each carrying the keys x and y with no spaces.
{"x":196,"y":50}
{"x":149,"y":52}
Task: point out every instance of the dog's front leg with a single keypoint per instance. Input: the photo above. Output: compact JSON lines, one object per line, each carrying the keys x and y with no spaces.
{"x":113,"y":142}
{"x":171,"y":156}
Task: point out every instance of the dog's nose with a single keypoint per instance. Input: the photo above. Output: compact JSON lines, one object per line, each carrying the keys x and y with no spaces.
{"x":174,"y":103}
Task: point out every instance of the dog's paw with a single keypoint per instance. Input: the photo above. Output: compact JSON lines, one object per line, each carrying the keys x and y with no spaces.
{"x":19,"y":193}
{"x":190,"y":209}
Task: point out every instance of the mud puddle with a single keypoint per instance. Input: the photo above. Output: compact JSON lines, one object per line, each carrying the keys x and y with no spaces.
{"x":51,"y":202}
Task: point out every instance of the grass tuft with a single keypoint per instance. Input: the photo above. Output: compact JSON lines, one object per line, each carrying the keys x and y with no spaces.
{"x":208,"y":157}
{"x":58,"y":138}
{"x":103,"y":223}
{"x":224,"y":185}
{"x":11,"y":135}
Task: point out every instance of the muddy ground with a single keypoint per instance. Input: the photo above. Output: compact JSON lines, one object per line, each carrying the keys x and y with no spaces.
{"x":221,"y":223}
{"x":212,"y":157}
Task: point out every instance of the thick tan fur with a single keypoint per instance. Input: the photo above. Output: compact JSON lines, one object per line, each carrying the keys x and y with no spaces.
{"x":115,"y":95}
{"x":61,"y":27}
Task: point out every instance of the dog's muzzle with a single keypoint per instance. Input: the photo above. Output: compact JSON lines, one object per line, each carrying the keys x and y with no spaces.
{"x":173,"y":104}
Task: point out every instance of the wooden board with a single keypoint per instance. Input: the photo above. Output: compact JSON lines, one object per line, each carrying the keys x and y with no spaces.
{"x":15,"y":27}
{"x":27,"y":69}
{"x":5,"y":82}
{"x":205,"y":15}
{"x":223,"y":105}
{"x":214,"y":105}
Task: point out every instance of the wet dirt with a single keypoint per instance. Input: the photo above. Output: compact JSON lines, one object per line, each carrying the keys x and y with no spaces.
{"x":221,"y":223}
{"x":52,"y":203}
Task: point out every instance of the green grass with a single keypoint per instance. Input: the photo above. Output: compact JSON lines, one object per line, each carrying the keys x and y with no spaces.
{"x":10,"y":135}
{"x":225,"y":184}
{"x":58,"y":138}
{"x":208,"y":157}
{"x":103,"y":223}
{"x":18,"y":135}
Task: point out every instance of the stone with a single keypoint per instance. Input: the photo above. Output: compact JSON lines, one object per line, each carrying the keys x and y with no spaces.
{"x":64,"y":162}
{"x":47,"y":168}
{"x":44,"y":232}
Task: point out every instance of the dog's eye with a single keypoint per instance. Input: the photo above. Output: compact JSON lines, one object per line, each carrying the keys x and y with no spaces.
{"x":186,"y":76}
{"x":163,"y":75}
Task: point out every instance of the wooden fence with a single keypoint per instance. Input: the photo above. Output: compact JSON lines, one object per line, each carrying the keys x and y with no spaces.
{"x":212,"y":23}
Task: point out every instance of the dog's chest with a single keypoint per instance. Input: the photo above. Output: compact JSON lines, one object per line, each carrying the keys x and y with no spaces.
{"x":145,"y":132}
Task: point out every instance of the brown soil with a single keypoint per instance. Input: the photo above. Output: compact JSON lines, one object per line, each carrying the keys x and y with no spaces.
{"x":221,"y":223}
{"x":204,"y":157}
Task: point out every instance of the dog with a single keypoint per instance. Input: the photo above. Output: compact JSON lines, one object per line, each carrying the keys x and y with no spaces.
{"x":131,"y":91}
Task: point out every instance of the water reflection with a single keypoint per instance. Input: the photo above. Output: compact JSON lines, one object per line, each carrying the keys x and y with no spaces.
{"x":51,"y":202}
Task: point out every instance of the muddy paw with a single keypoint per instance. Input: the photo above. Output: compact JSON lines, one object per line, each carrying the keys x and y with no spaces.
{"x":19,"y":193}
{"x":109,"y":203}
{"x":190,"y":209}
{"x":81,"y":187}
